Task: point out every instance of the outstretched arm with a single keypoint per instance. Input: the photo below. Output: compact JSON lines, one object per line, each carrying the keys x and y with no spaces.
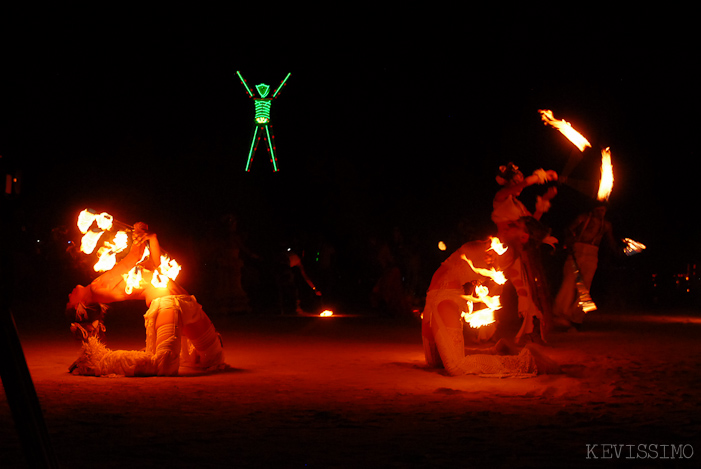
{"x":248,"y":90}
{"x":538,"y":177}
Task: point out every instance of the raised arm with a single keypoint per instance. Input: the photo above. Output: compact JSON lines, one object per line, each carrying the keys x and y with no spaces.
{"x":539,"y":176}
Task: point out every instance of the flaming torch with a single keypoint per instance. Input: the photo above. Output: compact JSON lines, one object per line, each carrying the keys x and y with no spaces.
{"x":606,"y":181}
{"x":632,"y":247}
{"x":565,"y":129}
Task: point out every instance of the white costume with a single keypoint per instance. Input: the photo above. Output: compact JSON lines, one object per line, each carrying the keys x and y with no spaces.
{"x":164,"y":347}
{"x":508,"y":210}
{"x":445,"y":346}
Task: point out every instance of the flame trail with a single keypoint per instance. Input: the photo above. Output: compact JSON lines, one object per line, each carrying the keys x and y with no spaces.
{"x":606,"y":181}
{"x":492,"y":273}
{"x":565,"y":129}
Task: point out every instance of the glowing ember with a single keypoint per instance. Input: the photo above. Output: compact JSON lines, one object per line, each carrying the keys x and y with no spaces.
{"x":442,"y":246}
{"x":327,"y":313}
{"x":492,"y":273}
{"x":633,"y":247}
{"x":565,"y":128}
{"x":606,"y":182}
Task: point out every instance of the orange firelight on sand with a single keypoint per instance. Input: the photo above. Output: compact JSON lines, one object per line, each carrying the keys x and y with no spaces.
{"x":565,"y":129}
{"x":606,"y":181}
{"x":326,"y":313}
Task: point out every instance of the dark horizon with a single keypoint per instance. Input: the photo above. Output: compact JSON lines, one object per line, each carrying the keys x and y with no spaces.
{"x":406,"y":130}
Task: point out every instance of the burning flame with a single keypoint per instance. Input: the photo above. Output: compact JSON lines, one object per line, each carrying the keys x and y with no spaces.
{"x":107,"y":253}
{"x":633,"y":247}
{"x":565,"y":128}
{"x":606,"y":181}
{"x":166,"y":271}
{"x":496,"y":275}
{"x":496,"y":246}
{"x":327,"y":313}
{"x":132,"y":279}
{"x":169,"y":269}
{"x":86,"y":219}
{"x":482,"y":317}
{"x":89,"y":241}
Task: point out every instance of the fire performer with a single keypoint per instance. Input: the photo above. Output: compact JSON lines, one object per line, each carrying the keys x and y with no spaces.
{"x":172,"y":313}
{"x":442,"y":330}
{"x":526,"y":273}
{"x":582,"y":240}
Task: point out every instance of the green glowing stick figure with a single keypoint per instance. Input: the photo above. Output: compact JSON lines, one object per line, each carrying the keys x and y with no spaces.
{"x":262,"y":119}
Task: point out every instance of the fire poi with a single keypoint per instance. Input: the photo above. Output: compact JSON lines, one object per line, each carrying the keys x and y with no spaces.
{"x":480,"y":264}
{"x":262,"y":119}
{"x":145,"y":272}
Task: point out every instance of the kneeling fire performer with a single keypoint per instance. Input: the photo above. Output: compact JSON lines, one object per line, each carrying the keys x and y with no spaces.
{"x":480,"y":263}
{"x":172,"y":314}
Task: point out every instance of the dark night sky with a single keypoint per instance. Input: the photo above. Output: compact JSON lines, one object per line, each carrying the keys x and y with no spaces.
{"x":385,"y":120}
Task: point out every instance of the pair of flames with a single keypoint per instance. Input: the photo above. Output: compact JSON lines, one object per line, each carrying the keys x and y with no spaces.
{"x":578,"y":140}
{"x":93,"y":226}
{"x":107,"y":253}
{"x":484,"y":316}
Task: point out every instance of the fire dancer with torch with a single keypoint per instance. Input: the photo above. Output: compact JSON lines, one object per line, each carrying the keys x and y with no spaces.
{"x":172,"y":314}
{"x":525,"y":274}
{"x":583,"y":239}
{"x":479,"y":263}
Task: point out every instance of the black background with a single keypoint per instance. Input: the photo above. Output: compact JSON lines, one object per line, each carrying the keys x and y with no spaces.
{"x":390,"y":118}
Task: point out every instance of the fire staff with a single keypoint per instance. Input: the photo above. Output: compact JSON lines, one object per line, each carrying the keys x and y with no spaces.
{"x":172,"y":314}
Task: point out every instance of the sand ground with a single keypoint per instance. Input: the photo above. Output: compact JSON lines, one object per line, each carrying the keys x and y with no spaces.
{"x":354,"y":391}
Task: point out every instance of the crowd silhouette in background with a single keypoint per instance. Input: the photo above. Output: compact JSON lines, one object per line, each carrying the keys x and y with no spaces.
{"x":235,"y":270}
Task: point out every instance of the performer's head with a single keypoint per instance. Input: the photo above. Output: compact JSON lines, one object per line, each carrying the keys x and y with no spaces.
{"x":82,"y":307}
{"x":599,"y":210}
{"x":509,"y":174}
{"x":79,"y":295}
